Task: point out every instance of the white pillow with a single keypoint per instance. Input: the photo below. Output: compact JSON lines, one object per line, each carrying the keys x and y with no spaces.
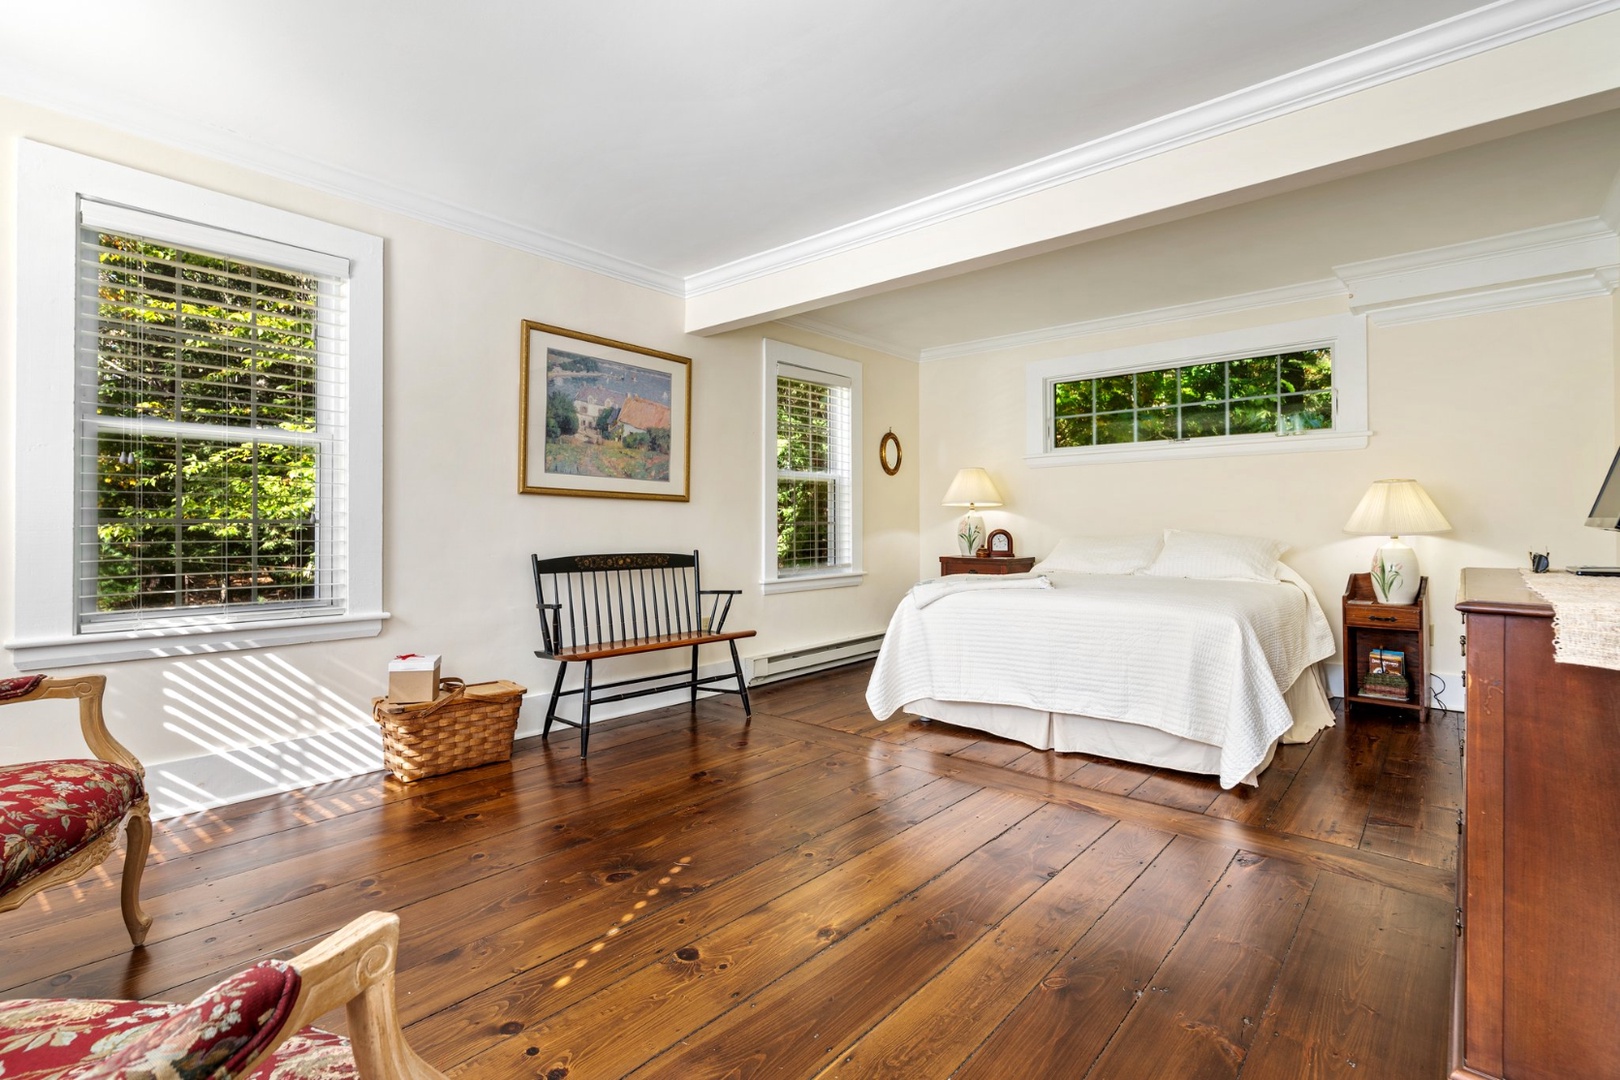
{"x":1100,"y":555}
{"x":1217,"y":555}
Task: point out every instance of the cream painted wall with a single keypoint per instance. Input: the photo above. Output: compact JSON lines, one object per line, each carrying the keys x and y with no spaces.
{"x":1508,"y":419}
{"x":457,"y":536}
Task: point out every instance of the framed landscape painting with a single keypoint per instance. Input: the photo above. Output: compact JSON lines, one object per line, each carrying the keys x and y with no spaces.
{"x":602,"y":418}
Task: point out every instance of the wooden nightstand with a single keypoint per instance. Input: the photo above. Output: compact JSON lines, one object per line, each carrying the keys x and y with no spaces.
{"x":1369,"y":625}
{"x":972,"y":564}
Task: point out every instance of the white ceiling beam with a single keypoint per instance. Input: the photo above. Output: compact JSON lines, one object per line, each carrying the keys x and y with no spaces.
{"x":1543,"y":71}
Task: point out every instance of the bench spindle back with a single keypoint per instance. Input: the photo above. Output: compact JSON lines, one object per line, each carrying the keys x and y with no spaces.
{"x":595,"y":600}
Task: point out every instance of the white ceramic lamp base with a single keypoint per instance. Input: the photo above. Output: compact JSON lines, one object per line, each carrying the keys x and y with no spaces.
{"x":1395,"y":573}
{"x":970,"y":533}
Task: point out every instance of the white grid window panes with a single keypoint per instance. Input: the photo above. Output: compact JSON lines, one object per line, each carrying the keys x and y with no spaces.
{"x":812,"y":469}
{"x":211,"y":441}
{"x":1284,"y":393}
{"x":1265,"y":389}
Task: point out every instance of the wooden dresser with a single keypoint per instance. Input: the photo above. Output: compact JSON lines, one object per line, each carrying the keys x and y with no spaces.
{"x":1537,"y":992}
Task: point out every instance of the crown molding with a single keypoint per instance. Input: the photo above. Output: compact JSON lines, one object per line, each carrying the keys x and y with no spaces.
{"x":1564,"y":261}
{"x":1479,"y":302}
{"x":1469,"y":34}
{"x":850,"y":337}
{"x":232,"y":149}
{"x":1328,"y":288}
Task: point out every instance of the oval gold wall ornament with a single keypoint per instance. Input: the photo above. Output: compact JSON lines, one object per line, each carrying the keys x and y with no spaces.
{"x":889,"y":452}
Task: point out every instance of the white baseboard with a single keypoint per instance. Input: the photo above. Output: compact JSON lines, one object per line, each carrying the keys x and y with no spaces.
{"x":189,"y":785}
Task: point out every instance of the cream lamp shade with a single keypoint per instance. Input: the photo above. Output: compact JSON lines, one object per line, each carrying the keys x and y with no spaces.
{"x":1390,"y":508}
{"x":972,"y":488}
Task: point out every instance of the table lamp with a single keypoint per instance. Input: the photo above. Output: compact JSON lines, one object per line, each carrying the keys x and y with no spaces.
{"x":1390,"y":508}
{"x":972,"y":488}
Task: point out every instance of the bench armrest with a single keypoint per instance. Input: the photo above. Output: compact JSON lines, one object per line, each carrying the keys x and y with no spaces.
{"x":717,"y":614}
{"x":551,"y":631}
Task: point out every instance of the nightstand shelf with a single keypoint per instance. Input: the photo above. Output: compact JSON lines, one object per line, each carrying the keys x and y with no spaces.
{"x":972,"y":564}
{"x":1369,"y":625}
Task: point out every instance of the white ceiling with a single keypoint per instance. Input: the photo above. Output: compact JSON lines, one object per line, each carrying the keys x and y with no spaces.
{"x":662,"y":140}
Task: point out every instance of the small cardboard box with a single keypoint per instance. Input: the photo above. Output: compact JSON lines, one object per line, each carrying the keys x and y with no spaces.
{"x":413,"y":677}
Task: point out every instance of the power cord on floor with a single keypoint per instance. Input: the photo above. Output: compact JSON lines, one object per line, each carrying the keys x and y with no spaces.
{"x":1435,"y":695}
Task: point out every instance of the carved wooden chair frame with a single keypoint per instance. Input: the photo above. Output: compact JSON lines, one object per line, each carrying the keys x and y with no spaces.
{"x":355,"y":968}
{"x":88,"y":691}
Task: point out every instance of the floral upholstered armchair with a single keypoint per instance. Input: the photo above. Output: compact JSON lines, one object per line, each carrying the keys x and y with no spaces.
{"x":252,"y":1024}
{"x":59,"y":819}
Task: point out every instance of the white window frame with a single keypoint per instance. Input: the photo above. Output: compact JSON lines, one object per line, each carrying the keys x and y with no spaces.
{"x":776,"y":354}
{"x":50,"y":186}
{"x":1346,"y":335}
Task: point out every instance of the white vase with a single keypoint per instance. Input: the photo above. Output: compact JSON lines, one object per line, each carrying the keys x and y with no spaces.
{"x":970,"y":533}
{"x":1395,"y":573}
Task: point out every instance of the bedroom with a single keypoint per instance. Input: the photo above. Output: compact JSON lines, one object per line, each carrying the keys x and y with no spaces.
{"x":1507,"y":416}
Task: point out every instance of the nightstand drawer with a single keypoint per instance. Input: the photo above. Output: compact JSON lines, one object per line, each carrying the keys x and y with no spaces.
{"x":969,"y":564}
{"x":1384,"y":616}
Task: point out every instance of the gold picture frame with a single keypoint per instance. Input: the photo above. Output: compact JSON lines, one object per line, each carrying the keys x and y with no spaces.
{"x":601,"y":418}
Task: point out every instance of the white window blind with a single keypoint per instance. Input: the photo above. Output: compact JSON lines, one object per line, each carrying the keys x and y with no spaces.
{"x":212,"y":449}
{"x":813,"y":471}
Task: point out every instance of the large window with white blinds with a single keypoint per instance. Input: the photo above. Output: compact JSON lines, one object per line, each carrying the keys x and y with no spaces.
{"x":200,"y":464}
{"x":812,"y":495}
{"x":212,"y":438}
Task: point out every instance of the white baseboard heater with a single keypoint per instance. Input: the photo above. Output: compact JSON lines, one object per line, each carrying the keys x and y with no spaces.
{"x":784,"y":665}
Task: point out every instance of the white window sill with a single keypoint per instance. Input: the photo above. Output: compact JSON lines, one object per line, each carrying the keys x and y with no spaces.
{"x":805,"y":582}
{"x":1225,"y":446}
{"x":113,"y":646}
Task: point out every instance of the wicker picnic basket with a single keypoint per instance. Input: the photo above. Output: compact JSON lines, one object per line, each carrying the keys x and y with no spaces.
{"x":466,"y":725}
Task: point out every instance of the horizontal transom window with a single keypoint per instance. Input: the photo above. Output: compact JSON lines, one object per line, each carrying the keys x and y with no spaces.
{"x":1266,"y":389}
{"x":1282,"y":393}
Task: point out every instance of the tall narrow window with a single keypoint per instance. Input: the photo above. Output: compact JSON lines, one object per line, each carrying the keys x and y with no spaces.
{"x":211,"y":453}
{"x":812,"y":469}
{"x":200,"y":462}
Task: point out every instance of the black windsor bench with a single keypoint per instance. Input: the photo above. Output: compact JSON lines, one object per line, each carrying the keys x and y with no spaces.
{"x":595,"y":607}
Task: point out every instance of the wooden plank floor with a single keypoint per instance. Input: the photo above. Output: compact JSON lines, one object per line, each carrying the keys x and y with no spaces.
{"x":815,"y":894}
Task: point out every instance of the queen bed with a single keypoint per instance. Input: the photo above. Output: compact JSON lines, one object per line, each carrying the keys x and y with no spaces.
{"x":1198,"y":653}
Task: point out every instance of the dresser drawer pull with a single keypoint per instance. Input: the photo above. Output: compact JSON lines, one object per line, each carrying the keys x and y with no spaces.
{"x":1382,"y":618}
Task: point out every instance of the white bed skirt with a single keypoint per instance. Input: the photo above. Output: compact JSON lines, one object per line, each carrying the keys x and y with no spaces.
{"x":1067,"y":733}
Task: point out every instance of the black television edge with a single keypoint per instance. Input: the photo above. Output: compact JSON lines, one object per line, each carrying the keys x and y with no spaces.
{"x":1606,"y":510}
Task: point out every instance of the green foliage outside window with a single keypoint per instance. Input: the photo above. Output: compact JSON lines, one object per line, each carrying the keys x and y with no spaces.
{"x":185,"y":518}
{"x":805,"y":498}
{"x":1283,"y":393}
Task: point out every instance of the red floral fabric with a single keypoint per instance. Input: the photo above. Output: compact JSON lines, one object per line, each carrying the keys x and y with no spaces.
{"x":51,"y":809}
{"x":210,"y":1039}
{"x":21,"y":686}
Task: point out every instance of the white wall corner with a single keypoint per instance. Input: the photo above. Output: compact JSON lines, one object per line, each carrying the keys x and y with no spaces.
{"x":832,"y":330}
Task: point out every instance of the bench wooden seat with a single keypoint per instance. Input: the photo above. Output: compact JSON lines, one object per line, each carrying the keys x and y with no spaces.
{"x":595,"y":607}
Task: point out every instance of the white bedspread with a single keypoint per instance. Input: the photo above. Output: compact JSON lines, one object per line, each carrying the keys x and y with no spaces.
{"x":1204,"y":660}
